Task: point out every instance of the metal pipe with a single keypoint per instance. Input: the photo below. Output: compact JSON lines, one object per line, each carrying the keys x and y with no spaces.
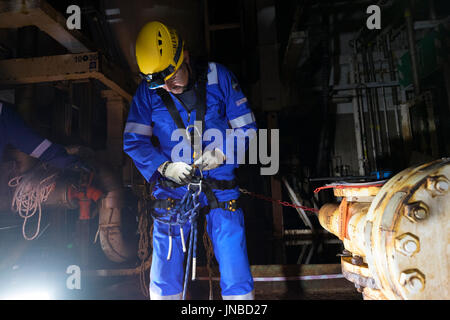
{"x":300,"y":211}
{"x":412,"y":49}
{"x":361,"y":109}
{"x":113,"y":244}
{"x":374,"y":92}
{"x":357,"y":121}
{"x":386,"y":125}
{"x":112,"y":241}
{"x":433,"y":14}
{"x":369,"y":110}
{"x":395,"y":101}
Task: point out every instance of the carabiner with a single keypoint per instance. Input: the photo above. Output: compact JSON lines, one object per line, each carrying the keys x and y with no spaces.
{"x":199,"y":184}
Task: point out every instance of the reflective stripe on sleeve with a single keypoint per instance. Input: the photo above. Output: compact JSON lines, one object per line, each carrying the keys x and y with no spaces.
{"x":242,"y":120}
{"x":40,"y":149}
{"x":212,"y":75}
{"x":143,"y":129}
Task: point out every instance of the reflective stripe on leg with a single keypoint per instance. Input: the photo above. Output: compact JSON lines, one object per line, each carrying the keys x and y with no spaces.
{"x":247,"y":296}
{"x":155,"y":296}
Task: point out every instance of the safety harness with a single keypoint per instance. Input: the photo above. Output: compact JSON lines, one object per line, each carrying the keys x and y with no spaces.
{"x":208,"y":184}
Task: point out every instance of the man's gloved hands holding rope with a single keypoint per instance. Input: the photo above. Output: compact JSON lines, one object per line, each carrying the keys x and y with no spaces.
{"x":182,"y":173}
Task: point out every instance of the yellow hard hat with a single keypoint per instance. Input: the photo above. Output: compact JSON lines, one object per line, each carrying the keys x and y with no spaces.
{"x":159,"y":53}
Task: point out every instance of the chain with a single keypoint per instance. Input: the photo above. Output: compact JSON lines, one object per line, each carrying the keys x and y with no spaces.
{"x":348,"y":186}
{"x":283,"y":203}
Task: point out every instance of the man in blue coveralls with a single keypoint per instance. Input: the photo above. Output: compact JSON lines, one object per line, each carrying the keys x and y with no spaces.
{"x":13,"y":131}
{"x":178,"y":92}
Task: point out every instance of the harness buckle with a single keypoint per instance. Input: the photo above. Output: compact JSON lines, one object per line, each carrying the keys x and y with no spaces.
{"x":231,"y":205}
{"x":171,"y":204}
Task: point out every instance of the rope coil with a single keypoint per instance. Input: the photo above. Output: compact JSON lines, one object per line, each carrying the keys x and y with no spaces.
{"x":31,"y":191}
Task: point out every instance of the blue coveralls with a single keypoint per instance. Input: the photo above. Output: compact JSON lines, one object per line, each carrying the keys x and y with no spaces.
{"x":15,"y":132}
{"x":227,"y":108}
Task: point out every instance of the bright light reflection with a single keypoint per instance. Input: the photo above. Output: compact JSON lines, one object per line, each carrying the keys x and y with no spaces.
{"x":28,"y":295}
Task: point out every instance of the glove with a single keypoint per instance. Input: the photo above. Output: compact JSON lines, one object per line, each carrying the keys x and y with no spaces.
{"x":178,"y":172}
{"x":210,"y":159}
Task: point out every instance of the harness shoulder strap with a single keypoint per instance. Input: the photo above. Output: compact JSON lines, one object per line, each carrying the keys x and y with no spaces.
{"x":201,"y":69}
{"x":170,"y":105}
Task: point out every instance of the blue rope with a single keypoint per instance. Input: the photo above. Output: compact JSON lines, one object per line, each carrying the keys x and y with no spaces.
{"x":186,"y":210}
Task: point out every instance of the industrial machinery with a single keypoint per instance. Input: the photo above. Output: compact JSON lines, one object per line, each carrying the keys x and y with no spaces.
{"x":395,"y":235}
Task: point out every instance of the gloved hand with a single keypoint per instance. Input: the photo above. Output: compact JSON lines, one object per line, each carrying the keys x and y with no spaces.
{"x":210,"y":159}
{"x":178,"y":172}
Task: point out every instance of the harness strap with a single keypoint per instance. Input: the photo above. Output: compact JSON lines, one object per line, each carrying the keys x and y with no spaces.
{"x":170,"y":105}
{"x":170,"y":203}
{"x":207,"y":187}
{"x":213,"y":183}
{"x":200,"y":91}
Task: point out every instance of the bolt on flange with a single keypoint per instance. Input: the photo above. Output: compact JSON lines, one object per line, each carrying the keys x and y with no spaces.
{"x":438,"y":185}
{"x":416,"y":211}
{"x":407,"y":244}
{"x":412,"y":280}
{"x":357,"y":260}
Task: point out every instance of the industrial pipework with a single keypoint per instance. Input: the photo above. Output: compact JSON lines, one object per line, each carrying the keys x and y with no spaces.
{"x":106,"y":191}
{"x":396,"y":236}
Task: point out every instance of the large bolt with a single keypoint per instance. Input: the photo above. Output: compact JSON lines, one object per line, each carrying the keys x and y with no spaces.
{"x":410,"y":246}
{"x":438,"y":185}
{"x":416,"y":211}
{"x":412,"y":280}
{"x":407,"y":244}
{"x":415,"y":284}
{"x":420,"y":213}
{"x":442,"y":186}
{"x":357,"y":260}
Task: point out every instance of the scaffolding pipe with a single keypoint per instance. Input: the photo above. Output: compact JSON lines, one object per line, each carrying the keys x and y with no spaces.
{"x":357,"y":121}
{"x":375,"y":101}
{"x":412,"y":49}
{"x":394,"y":93}
{"x":386,"y":124}
{"x":370,"y":110}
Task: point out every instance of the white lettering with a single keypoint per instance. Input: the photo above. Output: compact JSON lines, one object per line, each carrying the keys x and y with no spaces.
{"x":73,"y":21}
{"x":374,"y":21}
{"x":74,"y":280}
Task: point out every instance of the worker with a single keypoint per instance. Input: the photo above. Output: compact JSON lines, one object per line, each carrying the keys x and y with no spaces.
{"x":14,"y":132}
{"x":177,"y":92}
